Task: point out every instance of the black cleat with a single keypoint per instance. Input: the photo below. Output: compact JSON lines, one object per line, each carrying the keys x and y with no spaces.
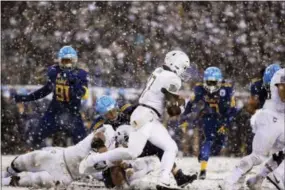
{"x":182,"y":180}
{"x":14,"y":181}
{"x":202,"y":175}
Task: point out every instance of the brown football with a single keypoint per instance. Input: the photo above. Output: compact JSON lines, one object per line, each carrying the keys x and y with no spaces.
{"x":173,"y":110}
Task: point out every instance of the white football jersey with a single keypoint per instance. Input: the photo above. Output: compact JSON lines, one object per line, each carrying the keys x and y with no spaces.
{"x":75,"y":154}
{"x":269,"y":126}
{"x":152,"y":95}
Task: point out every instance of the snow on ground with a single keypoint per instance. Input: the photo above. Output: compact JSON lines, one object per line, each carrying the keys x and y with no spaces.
{"x":218,"y":168}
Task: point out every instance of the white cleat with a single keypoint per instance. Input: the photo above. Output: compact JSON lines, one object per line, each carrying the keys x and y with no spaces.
{"x":255,"y":183}
{"x":276,"y":181}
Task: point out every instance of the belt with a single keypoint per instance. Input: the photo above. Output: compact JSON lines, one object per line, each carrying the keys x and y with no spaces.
{"x":158,"y":114}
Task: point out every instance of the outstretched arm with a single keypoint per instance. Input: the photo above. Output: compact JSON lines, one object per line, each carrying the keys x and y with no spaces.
{"x":38,"y":94}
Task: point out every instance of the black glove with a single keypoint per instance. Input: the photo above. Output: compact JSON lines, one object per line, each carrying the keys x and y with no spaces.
{"x":278,"y":157}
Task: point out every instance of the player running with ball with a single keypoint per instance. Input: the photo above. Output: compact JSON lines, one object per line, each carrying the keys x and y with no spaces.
{"x":161,"y":89}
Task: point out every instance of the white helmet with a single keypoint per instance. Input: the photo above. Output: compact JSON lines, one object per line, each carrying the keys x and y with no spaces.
{"x":178,"y":62}
{"x":122,"y":135}
{"x":278,"y":78}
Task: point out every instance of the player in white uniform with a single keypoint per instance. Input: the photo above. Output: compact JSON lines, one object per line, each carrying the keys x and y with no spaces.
{"x":162,"y":87}
{"x":273,"y":170}
{"x":59,"y":166}
{"x":52,"y":165}
{"x":268,"y":126}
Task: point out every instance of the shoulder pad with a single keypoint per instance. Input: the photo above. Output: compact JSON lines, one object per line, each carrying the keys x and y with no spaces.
{"x":124,"y":107}
{"x":98,"y":124}
{"x":199,"y":84}
{"x":198,"y":88}
{"x":82,"y":72}
{"x":255,"y":80}
{"x":83,"y":67}
{"x":227,"y":85}
{"x":52,"y":70}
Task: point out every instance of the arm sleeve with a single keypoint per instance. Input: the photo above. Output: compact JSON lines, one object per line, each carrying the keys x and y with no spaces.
{"x":197,"y":96}
{"x":42,"y":92}
{"x":38,"y":94}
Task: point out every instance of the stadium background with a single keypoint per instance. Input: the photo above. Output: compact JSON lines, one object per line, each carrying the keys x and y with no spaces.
{"x":120,"y":43}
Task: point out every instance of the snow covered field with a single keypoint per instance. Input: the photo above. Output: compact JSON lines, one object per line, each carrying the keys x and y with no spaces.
{"x":218,"y":168}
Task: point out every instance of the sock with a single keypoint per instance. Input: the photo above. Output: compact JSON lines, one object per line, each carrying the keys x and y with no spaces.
{"x":204,"y":165}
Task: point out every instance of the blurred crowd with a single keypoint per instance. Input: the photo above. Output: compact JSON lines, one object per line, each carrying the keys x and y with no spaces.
{"x":18,"y":120}
{"x":121,"y":42}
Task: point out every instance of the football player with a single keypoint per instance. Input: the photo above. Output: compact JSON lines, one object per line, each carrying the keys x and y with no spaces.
{"x":110,"y":113}
{"x":273,"y":170}
{"x":52,"y":166}
{"x":268,"y":126}
{"x":69,"y":85}
{"x":161,"y":89}
{"x":259,"y":88}
{"x":218,"y":109}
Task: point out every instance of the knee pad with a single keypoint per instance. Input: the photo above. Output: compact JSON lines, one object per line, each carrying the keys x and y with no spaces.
{"x":249,"y":161}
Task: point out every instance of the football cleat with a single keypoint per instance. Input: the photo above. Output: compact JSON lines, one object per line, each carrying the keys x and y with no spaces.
{"x":202,"y":175}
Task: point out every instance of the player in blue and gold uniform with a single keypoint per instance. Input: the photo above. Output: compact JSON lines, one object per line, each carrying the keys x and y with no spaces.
{"x":217,"y":108}
{"x":69,"y":85}
{"x":259,"y":88}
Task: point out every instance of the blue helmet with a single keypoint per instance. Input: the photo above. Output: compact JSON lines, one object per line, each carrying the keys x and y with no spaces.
{"x":212,"y":79}
{"x":67,"y":52}
{"x":213,"y":74}
{"x":104,"y":104}
{"x":269,"y":72}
